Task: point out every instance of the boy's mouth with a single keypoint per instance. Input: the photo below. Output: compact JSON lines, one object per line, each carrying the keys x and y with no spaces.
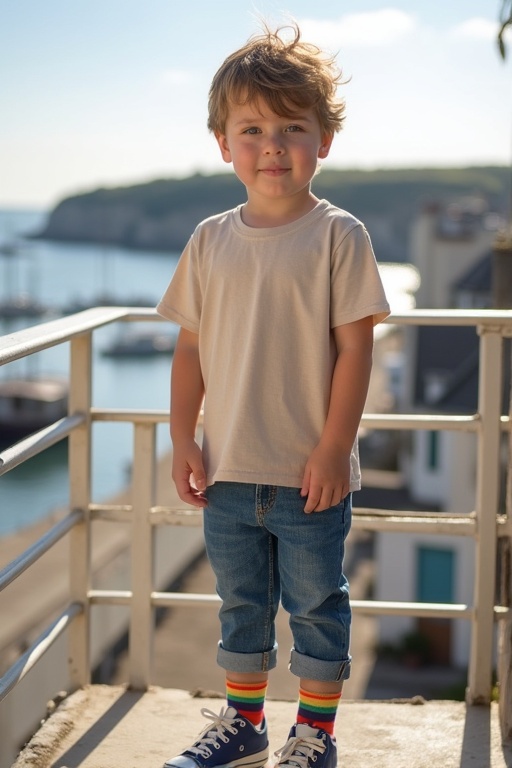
{"x":274,"y":171}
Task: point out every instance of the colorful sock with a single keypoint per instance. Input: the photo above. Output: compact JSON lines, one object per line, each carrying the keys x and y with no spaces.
{"x":318,"y":709}
{"x":248,"y":699}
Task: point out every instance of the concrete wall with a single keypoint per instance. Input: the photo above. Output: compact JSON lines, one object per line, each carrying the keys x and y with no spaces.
{"x":451,"y":485}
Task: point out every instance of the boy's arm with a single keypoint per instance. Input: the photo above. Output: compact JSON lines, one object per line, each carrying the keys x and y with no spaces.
{"x":327,"y":474}
{"x":187,"y":391}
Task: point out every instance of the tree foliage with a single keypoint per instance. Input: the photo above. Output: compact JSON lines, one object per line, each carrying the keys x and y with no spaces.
{"x":505,"y":23}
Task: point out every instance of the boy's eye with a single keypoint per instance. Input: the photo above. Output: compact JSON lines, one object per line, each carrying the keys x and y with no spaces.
{"x":252,"y":130}
{"x":293,"y":128}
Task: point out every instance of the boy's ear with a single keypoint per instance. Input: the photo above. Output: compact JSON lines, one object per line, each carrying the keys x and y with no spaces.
{"x":223,"y":146}
{"x":325,"y":145}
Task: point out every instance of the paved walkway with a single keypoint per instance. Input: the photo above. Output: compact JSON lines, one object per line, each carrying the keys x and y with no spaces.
{"x":109,"y":727}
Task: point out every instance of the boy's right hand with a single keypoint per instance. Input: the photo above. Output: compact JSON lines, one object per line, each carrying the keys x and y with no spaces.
{"x":188,"y":473}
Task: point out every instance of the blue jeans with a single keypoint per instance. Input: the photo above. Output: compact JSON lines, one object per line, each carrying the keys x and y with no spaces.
{"x":263,"y":548}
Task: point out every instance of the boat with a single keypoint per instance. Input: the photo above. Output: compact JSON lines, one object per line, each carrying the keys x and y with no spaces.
{"x":22,"y":305}
{"x":141,"y":344}
{"x":29,"y":404}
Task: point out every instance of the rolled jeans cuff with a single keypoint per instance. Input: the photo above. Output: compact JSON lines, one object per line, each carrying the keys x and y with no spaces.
{"x":246,"y":662}
{"x":315,"y":669}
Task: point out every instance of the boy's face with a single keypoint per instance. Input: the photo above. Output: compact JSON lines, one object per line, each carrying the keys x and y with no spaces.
{"x":272,"y":155}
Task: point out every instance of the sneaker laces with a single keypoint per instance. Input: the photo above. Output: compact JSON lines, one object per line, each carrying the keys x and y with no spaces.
{"x":224,"y":721}
{"x":298,"y":750}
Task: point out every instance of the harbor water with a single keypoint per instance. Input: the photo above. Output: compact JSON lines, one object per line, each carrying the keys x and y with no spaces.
{"x":58,"y":275}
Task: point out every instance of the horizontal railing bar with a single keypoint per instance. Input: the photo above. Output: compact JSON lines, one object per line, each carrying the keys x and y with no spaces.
{"x":367,"y":607}
{"x":437,"y":523}
{"x":33,"y":444}
{"x":27,"y":558}
{"x":375,"y":607}
{"x":372,"y":420}
{"x":39,"y":337}
{"x":420,"y":421}
{"x":365,"y":518}
{"x":173,"y":516}
{"x":494,"y":319}
{"x":376,"y":512}
{"x":114,"y":513}
{"x":410,"y":525}
{"x":109,"y":596}
{"x":420,"y":610}
{"x":125,"y":414}
{"x":163,"y":599}
{"x":136,"y":314}
{"x":46,"y":639}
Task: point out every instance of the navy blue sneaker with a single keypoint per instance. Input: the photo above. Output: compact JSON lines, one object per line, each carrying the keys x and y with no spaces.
{"x":228,"y":741}
{"x":307,"y":747}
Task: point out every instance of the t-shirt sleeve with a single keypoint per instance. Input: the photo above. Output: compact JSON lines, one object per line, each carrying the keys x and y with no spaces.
{"x":356,"y":285}
{"x":182,"y":300}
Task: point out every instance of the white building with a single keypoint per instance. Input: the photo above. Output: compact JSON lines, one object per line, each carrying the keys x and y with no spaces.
{"x":452,"y":250}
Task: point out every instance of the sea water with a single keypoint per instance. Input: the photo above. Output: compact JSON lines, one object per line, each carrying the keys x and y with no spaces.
{"x":57,"y":274}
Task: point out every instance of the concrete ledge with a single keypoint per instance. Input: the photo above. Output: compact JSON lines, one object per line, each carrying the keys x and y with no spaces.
{"x":109,"y":727}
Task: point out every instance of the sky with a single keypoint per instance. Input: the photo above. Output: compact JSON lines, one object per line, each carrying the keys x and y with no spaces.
{"x":114,"y":92}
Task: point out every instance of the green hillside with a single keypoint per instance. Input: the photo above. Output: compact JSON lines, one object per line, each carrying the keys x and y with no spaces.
{"x":162,"y":213}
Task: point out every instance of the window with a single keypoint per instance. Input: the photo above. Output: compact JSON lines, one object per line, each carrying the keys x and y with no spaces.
{"x":433,"y":450}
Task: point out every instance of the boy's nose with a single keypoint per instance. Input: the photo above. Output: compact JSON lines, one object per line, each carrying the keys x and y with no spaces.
{"x":274,"y":146}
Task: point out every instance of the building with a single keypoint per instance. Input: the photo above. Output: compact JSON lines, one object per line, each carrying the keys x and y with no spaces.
{"x":452,"y":249}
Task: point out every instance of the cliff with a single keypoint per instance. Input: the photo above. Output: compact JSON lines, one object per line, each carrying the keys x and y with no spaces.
{"x":160,"y":215}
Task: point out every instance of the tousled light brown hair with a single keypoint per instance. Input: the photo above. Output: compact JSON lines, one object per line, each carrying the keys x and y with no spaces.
{"x":288,"y":75}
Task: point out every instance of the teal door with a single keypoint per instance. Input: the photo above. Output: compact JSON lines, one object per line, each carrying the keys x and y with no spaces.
{"x":435,"y":575}
{"x":435,"y":584}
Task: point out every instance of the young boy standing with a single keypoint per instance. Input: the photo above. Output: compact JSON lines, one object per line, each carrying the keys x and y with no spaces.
{"x":277,"y":300}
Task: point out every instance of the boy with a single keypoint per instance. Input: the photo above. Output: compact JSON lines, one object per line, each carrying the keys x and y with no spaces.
{"x":276,"y":300}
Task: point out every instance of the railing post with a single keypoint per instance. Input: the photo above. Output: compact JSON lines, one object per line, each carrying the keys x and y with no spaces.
{"x":505,"y":642}
{"x":80,"y":494}
{"x":142,"y":566}
{"x":487,"y":500}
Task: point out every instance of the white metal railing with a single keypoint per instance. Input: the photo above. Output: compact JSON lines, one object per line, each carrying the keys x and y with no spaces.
{"x":485,"y":525}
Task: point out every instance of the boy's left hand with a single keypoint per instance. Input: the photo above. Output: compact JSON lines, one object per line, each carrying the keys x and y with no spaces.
{"x":326,"y":478}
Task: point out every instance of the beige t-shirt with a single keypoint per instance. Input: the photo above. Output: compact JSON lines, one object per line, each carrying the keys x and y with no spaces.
{"x":263,"y":302}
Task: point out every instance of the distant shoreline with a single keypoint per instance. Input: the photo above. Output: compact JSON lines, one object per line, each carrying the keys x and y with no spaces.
{"x":160,"y":215}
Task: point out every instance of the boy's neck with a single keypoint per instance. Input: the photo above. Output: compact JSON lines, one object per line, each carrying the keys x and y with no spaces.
{"x":263,"y":213}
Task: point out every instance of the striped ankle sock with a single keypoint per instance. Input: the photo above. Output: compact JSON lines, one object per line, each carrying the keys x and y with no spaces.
{"x":248,"y":699}
{"x":318,"y":709}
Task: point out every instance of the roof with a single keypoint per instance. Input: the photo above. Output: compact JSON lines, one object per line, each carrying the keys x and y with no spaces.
{"x":46,"y":390}
{"x":446,"y":374}
{"x":447,"y":369}
{"x":478,"y":278}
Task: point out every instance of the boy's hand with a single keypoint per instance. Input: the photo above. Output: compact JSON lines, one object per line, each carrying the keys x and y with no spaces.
{"x":187,"y":462}
{"x":326,"y":478}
